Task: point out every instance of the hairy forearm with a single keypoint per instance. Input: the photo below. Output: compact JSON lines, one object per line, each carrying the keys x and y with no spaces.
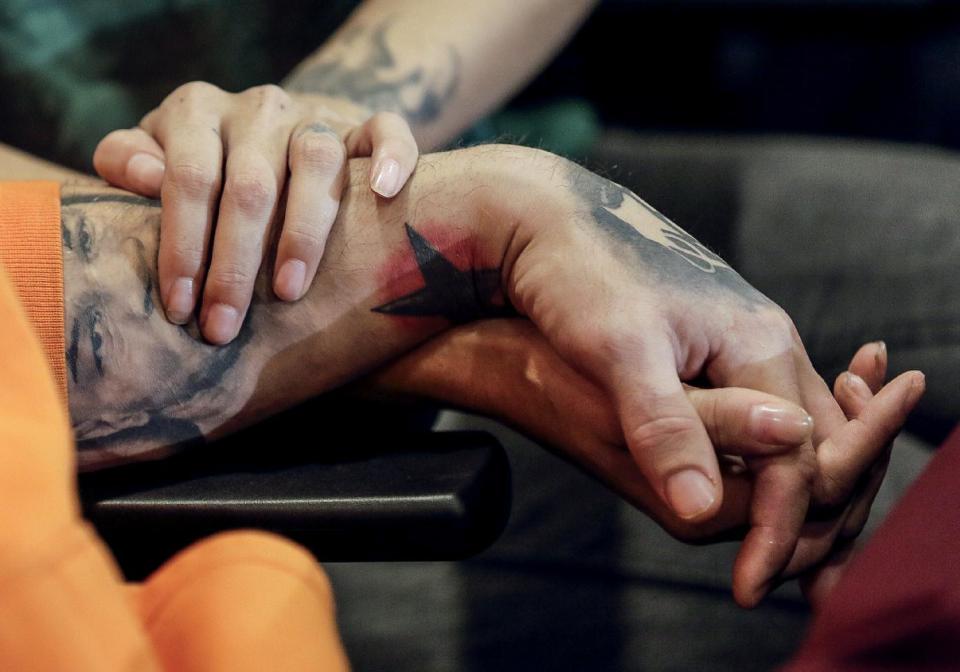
{"x":393,"y":274}
{"x":440,"y":64}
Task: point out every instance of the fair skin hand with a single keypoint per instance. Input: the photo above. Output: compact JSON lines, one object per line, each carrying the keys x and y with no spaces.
{"x":221,"y":162}
{"x":621,"y":294}
{"x":527,"y":385}
{"x":854,"y":390}
{"x":437,"y":66}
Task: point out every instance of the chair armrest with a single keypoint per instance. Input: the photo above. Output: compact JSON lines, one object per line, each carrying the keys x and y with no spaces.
{"x":412,"y":496}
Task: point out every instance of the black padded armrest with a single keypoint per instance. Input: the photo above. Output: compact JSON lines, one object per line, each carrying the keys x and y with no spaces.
{"x":412,"y":496}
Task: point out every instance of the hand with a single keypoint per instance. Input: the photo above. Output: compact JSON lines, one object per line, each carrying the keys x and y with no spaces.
{"x":639,"y":306}
{"x":526,"y":384}
{"x":220,"y":161}
{"x":853,"y":389}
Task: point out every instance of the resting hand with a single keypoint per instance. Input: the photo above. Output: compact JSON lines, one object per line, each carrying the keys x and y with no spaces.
{"x":521,"y":380}
{"x":642,"y":307}
{"x":854,"y":389}
{"x":221,"y":161}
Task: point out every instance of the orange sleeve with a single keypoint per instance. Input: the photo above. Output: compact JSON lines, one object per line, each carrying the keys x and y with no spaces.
{"x":31,"y":253}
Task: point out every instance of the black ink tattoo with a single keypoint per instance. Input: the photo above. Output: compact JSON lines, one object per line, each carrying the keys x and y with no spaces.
{"x":129,"y":199}
{"x":448,"y":292}
{"x":73,"y":349}
{"x":676,"y":258}
{"x":86,"y":326}
{"x":418,"y":94}
{"x":317,"y":127}
{"x":176,"y":366}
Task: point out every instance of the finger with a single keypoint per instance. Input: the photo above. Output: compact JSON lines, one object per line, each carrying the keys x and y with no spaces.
{"x":387,"y":138}
{"x":191,"y":187}
{"x":870,"y":363}
{"x":256,"y":169}
{"x":816,"y":397}
{"x":665,"y":436}
{"x":861,"y":444}
{"x":859,"y":512}
{"x":850,"y":451}
{"x":619,"y":471}
{"x":781,"y":492}
{"x":317,"y":160}
{"x":820,"y":536}
{"x":131,"y":159}
{"x":818,"y":584}
{"x":750,"y":423}
{"x":852,"y":393}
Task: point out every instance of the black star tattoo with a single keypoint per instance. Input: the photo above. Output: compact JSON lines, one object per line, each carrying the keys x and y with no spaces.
{"x":459,"y":296}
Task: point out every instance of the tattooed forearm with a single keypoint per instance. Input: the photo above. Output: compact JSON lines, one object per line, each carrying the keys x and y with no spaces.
{"x":135,"y":379}
{"x":364,"y":69}
{"x":656,"y":246}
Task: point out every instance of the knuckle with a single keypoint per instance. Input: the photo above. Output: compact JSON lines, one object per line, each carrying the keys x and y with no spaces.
{"x":769,"y":327}
{"x":251,"y":193}
{"x":192,"y":92}
{"x":776,"y":321}
{"x":807,"y":467}
{"x":713,"y":415}
{"x":854,"y":526}
{"x":230,"y":278}
{"x":117,"y":136}
{"x":318,"y":152}
{"x":605,"y":341}
{"x":303,"y":240}
{"x":661,"y":435}
{"x":186,"y":255}
{"x":387,"y":120}
{"x":269,"y":95}
{"x":193,"y":179}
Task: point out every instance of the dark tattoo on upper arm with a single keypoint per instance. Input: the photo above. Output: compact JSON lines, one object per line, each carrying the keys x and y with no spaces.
{"x":673,"y":256}
{"x":457,"y":295}
{"x":419,"y":94}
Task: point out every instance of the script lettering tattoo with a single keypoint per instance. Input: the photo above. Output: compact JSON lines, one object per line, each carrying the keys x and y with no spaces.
{"x":135,"y":379}
{"x":457,"y":295}
{"x":376,"y":80}
{"x":668,"y":252}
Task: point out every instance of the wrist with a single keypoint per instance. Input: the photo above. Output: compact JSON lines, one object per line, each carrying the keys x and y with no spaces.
{"x":525,"y":205}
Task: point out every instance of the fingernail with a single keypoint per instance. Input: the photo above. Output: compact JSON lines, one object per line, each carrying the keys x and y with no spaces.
{"x":180,"y":300}
{"x":290,"y":281}
{"x":881,"y":357}
{"x":690,"y":493}
{"x":223,"y":323}
{"x":146,"y":170}
{"x":386,"y":178}
{"x":786,"y":423}
{"x":857,"y":385}
{"x":917,"y":386}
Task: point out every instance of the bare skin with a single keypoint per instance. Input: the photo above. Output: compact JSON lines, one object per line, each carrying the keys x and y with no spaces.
{"x":396,"y":74}
{"x":622,"y":295}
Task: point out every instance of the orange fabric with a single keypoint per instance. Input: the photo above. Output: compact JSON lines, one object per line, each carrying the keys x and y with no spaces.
{"x":240,"y":601}
{"x":30,"y":250}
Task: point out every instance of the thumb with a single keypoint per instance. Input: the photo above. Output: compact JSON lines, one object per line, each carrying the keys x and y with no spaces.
{"x":666,"y":437}
{"x":130,"y":158}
